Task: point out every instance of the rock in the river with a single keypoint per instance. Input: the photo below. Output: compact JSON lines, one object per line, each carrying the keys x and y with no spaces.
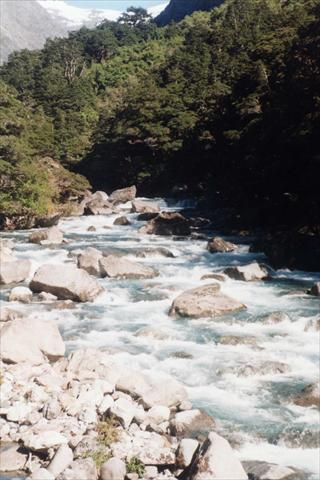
{"x":146,"y":217}
{"x":247,"y":273}
{"x":123,"y":195}
{"x":214,"y":276}
{"x":261,"y":368}
{"x":216,"y":460}
{"x":186,"y":451}
{"x":206,"y":301}
{"x":275,"y":317}
{"x":150,"y":252}
{"x":47,"y":297}
{"x":98,"y":204}
{"x":122,"y":221}
{"x":14,"y":271}
{"x":191,"y":423}
{"x":140,"y":206}
{"x":315,"y":290}
{"x":20,"y":294}
{"x":237,"y":340}
{"x":67,"y":282}
{"x":167,"y":223}
{"x":217,"y":244}
{"x":309,"y":396}
{"x":89,"y":261}
{"x":6,"y":254}
{"x":11,"y":459}
{"x":62,"y":459}
{"x":31,"y":340}
{"x":269,"y":471}
{"x":113,"y":469}
{"x":115,"y":267}
{"x":49,"y":236}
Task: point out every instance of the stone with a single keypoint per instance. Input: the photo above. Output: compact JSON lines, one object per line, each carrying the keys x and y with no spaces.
{"x":47,"y":297}
{"x":216,"y":460}
{"x":141,"y":206}
{"x":309,"y":396}
{"x":152,"y":449}
{"x":237,"y":340}
{"x":205,"y":301}
{"x":89,"y":261}
{"x":247,"y":273}
{"x":261,"y":368}
{"x":113,"y":469}
{"x":151,"y":472}
{"x":151,"y":252}
{"x":270,"y":471}
{"x":92,"y":228}
{"x":62,"y":459}
{"x":123,"y":195}
{"x":124,"y":411}
{"x":49,"y":236}
{"x":11,"y":459}
{"x":20,"y":294}
{"x":117,"y":267}
{"x":98,"y":204}
{"x":146,"y":217}
{"x":67,"y":282}
{"x":15,"y":271}
{"x":8,"y":314}
{"x":214,"y":276}
{"x":152,"y":332}
{"x":6,"y":254}
{"x":44,"y":440}
{"x":18,"y":412}
{"x":315,"y":290}
{"x":218,"y":245}
{"x":158,"y":414}
{"x":167,"y":223}
{"x":41,"y":474}
{"x":81,"y":469}
{"x":105,"y":404}
{"x":191,"y":423}
{"x":122,"y":221}
{"x":186,"y":451}
{"x":19,"y":343}
{"x":275,"y":317}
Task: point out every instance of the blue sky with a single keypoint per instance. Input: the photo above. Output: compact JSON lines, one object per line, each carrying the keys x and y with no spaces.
{"x":114,"y":4}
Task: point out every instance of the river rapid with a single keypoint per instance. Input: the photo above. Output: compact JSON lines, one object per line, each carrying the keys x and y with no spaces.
{"x":255,"y":412}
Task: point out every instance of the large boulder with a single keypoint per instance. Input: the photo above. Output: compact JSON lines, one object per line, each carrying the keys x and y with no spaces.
{"x":11,"y":459}
{"x":206,"y":301}
{"x":20,"y":294}
{"x":315,"y":290}
{"x":167,"y":223}
{"x":14,"y":271}
{"x":258,"y":470}
{"x":309,"y":396}
{"x":113,"y":469}
{"x":247,"y":273}
{"x":89,"y":261}
{"x":83,"y":468}
{"x":191,"y":423}
{"x":49,"y":236}
{"x":98,"y":204}
{"x":140,"y":206}
{"x":123,"y":195}
{"x":216,"y":460}
{"x":6,"y":253}
{"x":67,"y":282}
{"x":117,"y":267}
{"x":123,"y":221}
{"x":218,"y":245}
{"x":62,"y":459}
{"x":31,"y":340}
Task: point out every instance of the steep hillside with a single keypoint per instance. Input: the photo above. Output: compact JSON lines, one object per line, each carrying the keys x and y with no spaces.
{"x":178,"y":9}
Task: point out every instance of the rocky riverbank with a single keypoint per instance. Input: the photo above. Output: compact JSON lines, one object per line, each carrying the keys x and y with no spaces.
{"x":88,"y":414}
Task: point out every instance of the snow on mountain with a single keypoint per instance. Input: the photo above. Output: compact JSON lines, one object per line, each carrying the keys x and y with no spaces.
{"x":157,"y":9}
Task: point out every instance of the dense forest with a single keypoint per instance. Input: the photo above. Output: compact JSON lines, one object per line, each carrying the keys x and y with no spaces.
{"x":224,"y":105}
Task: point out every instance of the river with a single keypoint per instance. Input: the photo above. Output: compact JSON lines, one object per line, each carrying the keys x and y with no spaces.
{"x":255,"y":412}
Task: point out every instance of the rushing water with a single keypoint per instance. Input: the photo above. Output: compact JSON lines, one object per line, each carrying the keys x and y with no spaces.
{"x":255,"y":412}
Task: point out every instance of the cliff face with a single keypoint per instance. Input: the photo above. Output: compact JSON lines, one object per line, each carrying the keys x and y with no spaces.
{"x":178,"y":9}
{"x":26,"y":24}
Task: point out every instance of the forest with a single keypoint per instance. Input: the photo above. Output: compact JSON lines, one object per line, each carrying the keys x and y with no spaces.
{"x":223,"y":106}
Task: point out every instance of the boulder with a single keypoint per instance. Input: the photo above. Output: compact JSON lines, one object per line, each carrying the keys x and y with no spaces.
{"x":113,"y":469}
{"x":123,"y":195}
{"x":115,"y":267}
{"x":309,"y":396}
{"x":62,"y":459}
{"x":15,"y":271}
{"x":186,"y":451}
{"x":151,"y":252}
{"x":124,"y":411}
{"x":47,"y":297}
{"x":158,"y":414}
{"x":214,"y":276}
{"x":152,"y":449}
{"x":216,"y":460}
{"x":8,"y":314}
{"x":122,"y":221}
{"x":146,"y":217}
{"x":315,"y":290}
{"x":247,"y":273}
{"x":89,"y":261}
{"x":49,"y":236}
{"x":83,"y":468}
{"x":6,"y":253}
{"x":66,"y":282}
{"x":275,"y":317}
{"x":92,"y":228}
{"x":140,"y":206}
{"x":260,"y":368}
{"x":167,"y":223}
{"x":19,"y":343}
{"x":97,"y":204}
{"x":206,"y":301}
{"x":191,"y":423}
{"x":11,"y":459}
{"x":237,"y":340}
{"x":20,"y":294}
{"x":43,"y":440}
{"x":41,"y":474}
{"x":48,"y":221}
{"x":217,"y":245}
{"x":270,"y":471}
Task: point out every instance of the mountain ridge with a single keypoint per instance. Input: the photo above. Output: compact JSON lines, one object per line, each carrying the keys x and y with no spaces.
{"x":176,"y":10}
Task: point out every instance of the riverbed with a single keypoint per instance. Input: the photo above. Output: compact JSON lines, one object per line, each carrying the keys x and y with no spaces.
{"x":254,"y":411}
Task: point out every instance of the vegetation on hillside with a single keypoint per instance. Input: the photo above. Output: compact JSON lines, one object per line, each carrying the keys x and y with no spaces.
{"x":226,"y":102}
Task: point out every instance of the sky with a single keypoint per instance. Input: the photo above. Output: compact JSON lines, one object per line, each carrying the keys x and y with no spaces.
{"x":114,"y":4}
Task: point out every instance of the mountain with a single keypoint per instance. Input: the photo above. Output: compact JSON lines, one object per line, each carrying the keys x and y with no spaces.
{"x":178,"y":9}
{"x":29,"y":23}
{"x":26,"y":24}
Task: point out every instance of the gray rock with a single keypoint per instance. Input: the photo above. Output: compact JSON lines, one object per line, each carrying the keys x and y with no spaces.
{"x":275,"y":317}
{"x":270,"y":471}
{"x":214,"y":276}
{"x":66,"y":282}
{"x":315,"y":290}
{"x":113,"y":469}
{"x":141,"y":206}
{"x":62,"y":459}
{"x":11,"y":459}
{"x":218,"y":245}
{"x":41,"y":474}
{"x":309,"y":396}
{"x":15,"y":271}
{"x":89,"y":261}
{"x":186,"y":451}
{"x":247,"y":273}
{"x":47,"y":297}
{"x":191,"y":423}
{"x":20,"y":294}
{"x":81,"y":469}
{"x":49,"y":236}
{"x":206,"y":301}
{"x":122,"y":221}
{"x":159,"y":251}
{"x":167,"y":223}
{"x":237,"y":340}
{"x":115,"y":267}
{"x":123,"y":195}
